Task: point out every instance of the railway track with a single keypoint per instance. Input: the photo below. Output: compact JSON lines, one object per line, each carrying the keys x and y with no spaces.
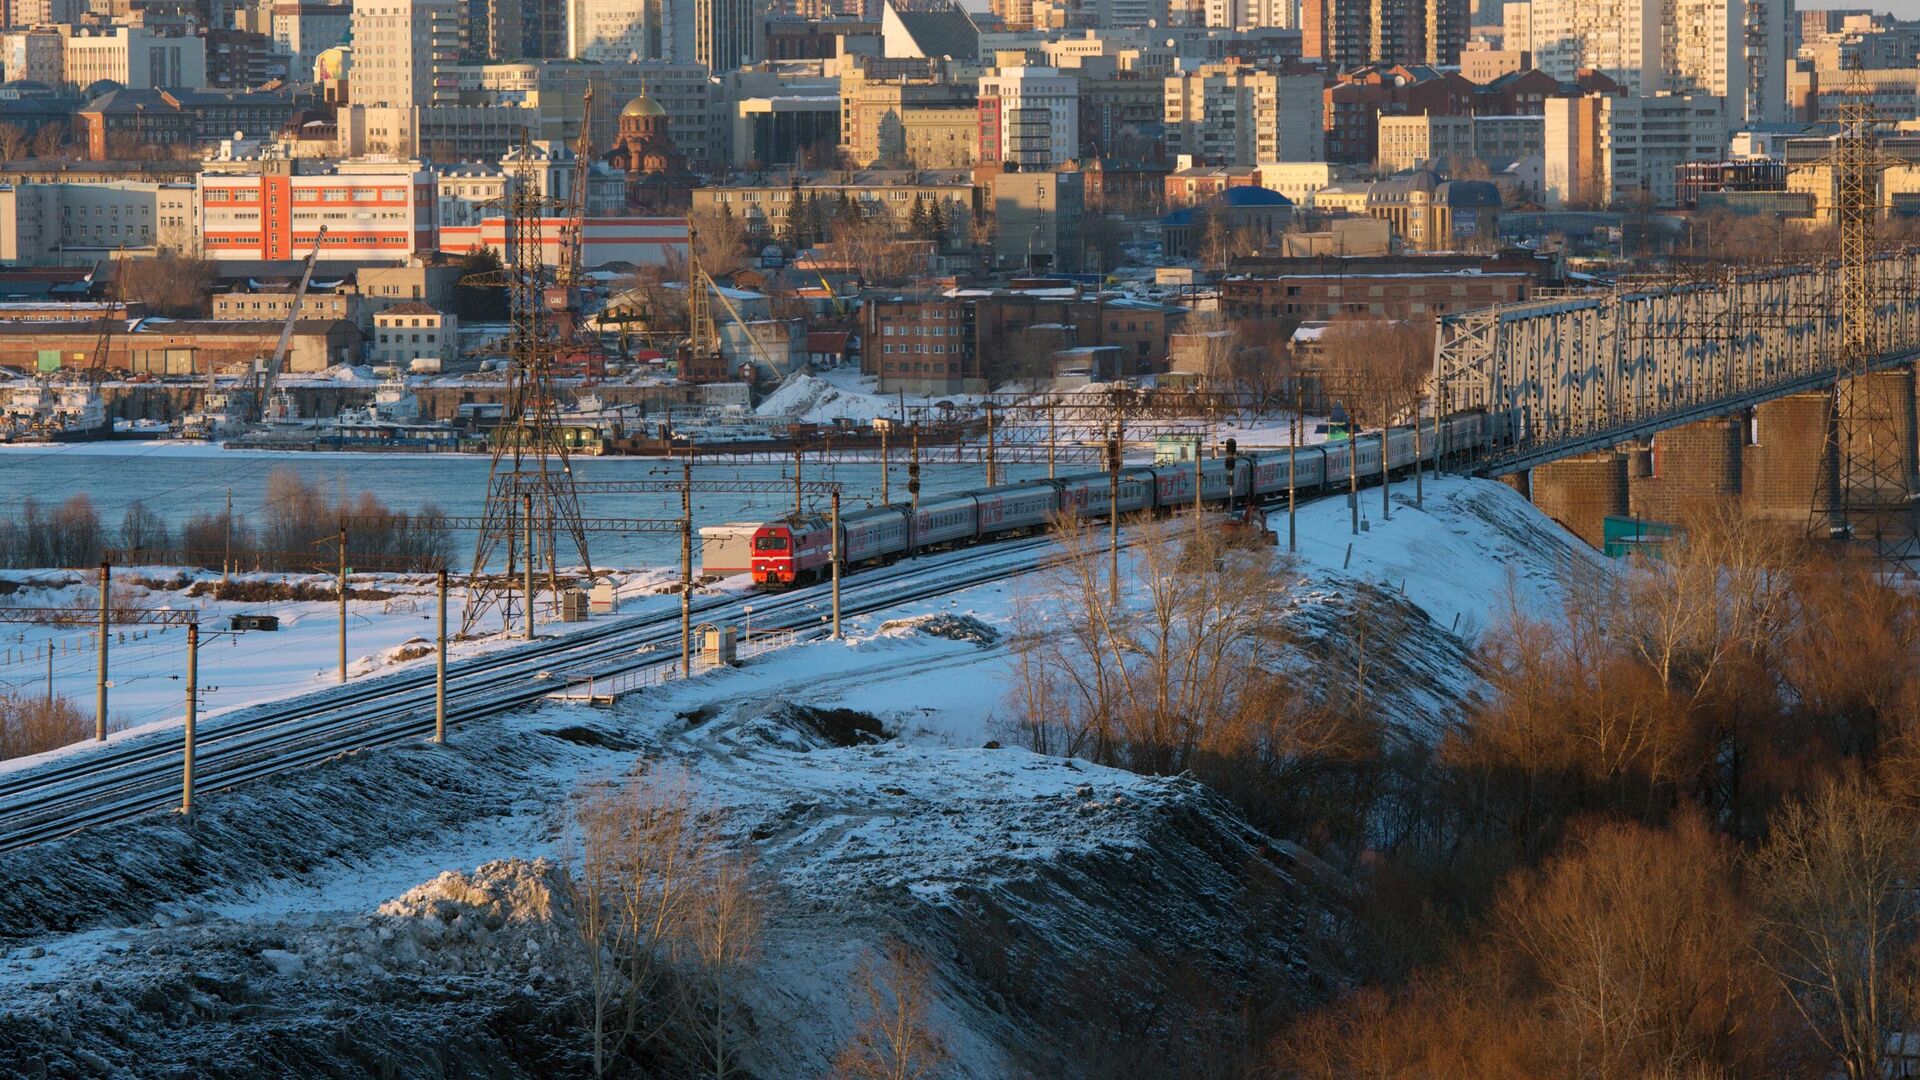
{"x":143,"y":776}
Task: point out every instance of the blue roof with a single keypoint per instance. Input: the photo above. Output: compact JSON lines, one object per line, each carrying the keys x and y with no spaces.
{"x":1178,"y":217}
{"x":1252,"y":196}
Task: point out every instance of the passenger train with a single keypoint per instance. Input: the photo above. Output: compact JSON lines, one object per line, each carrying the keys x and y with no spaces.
{"x":799,"y":549}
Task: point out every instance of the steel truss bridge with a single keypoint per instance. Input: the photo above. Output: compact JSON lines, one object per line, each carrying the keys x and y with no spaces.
{"x":1576,"y":374}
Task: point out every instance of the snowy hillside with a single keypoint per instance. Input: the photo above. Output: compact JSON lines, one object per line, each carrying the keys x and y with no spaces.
{"x":388,"y":913}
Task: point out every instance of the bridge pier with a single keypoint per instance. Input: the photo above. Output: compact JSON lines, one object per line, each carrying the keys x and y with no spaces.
{"x":1770,"y":457}
{"x":1581,"y":492}
{"x":1686,"y":468}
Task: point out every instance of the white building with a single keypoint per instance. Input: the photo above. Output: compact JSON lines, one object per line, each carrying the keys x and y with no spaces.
{"x":304,"y":29}
{"x":1605,"y":151}
{"x":619,"y":31}
{"x":1733,"y":49}
{"x":40,"y":55}
{"x":135,"y":57}
{"x":413,"y":331}
{"x":1037,"y":113}
{"x":402,"y":50}
{"x":1226,"y":114}
{"x":1499,"y":141}
{"x":1251,"y":14}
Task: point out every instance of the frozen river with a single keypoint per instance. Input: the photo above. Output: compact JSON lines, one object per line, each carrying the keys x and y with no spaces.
{"x":178,"y":480}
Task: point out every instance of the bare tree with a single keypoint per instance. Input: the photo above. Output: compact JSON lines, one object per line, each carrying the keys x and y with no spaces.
{"x":895,"y":1041}
{"x":168,"y":284}
{"x":668,"y":918}
{"x":721,"y":939}
{"x":1148,"y":685}
{"x":722,"y":240}
{"x":13,"y":142}
{"x":636,"y":851}
{"x":1835,"y":884}
{"x":50,"y":141}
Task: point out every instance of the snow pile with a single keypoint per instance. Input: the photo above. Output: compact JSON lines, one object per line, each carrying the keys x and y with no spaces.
{"x":942,"y":625}
{"x":811,"y":399}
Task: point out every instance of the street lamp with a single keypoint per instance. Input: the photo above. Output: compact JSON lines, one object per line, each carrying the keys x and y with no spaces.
{"x":747,"y":631}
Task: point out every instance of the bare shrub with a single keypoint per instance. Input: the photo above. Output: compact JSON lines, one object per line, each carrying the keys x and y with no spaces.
{"x":1835,"y":885}
{"x":895,"y":1040}
{"x":668,"y":917}
{"x":35,"y":724}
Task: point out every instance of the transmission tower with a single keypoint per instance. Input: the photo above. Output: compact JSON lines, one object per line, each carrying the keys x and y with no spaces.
{"x":1864,"y":492}
{"x":532,"y":506}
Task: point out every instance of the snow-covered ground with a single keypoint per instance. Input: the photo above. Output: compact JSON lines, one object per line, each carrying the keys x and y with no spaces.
{"x":294,"y":911}
{"x":391,"y":624}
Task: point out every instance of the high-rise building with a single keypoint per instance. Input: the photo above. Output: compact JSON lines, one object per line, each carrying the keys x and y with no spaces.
{"x":1603,"y":150}
{"x":1227,"y":114}
{"x":620,"y":31}
{"x":402,"y":48}
{"x":1733,"y":49}
{"x":1252,"y":14}
{"x":1034,"y":114}
{"x":303,"y":30}
{"x":727,"y":34}
{"x":1516,"y":22}
{"x":504,"y":30}
{"x":1345,"y":34}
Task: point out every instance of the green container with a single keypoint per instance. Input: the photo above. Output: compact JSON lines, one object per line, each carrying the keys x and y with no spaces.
{"x":49,"y":359}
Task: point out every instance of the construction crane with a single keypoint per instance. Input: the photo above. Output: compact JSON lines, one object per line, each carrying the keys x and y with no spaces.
{"x":572,"y":269}
{"x":261,"y":380}
{"x":97,"y":370}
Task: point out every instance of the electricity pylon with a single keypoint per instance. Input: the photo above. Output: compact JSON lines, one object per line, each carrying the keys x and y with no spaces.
{"x":532,"y":507}
{"x":1864,"y":491}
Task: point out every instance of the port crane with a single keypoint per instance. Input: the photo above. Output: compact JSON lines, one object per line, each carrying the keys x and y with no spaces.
{"x":261,"y":380}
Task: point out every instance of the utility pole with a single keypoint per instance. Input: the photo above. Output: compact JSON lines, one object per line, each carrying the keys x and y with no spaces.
{"x":913,"y":486}
{"x":100,"y":678}
{"x":1353,"y":475}
{"x":798,"y":461}
{"x":1386,"y":507}
{"x":1113,"y":522}
{"x":440,"y":666}
{"x":343,"y":603}
{"x":226,"y":558}
{"x":686,"y":564}
{"x":836,"y":564}
{"x":1293,"y":458}
{"x":1419,"y":464}
{"x":526,"y":505}
{"x":1199,"y":535}
{"x":1052,"y":435}
{"x":193,"y":706}
{"x":991,"y":478}
{"x":886,"y":467}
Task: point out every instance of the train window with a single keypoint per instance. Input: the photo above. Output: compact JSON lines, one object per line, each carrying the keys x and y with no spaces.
{"x":770,"y":543}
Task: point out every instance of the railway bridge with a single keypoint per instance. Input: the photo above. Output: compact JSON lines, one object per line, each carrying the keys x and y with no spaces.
{"x":1643,"y":399}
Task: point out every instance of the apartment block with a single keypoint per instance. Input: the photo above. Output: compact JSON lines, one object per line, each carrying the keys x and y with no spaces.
{"x":402,"y":50}
{"x":134,"y":57}
{"x":1602,"y":150}
{"x":1227,"y":114}
{"x":1732,"y":49}
{"x":1409,"y":141}
{"x":1344,"y":34}
{"x":1030,"y":116}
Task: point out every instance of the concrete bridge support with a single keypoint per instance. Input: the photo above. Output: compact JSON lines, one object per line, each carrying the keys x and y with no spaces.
{"x":1580,"y":492}
{"x":1770,"y":457}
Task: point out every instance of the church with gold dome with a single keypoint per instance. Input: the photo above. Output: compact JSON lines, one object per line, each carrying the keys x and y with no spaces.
{"x":658,"y":180}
